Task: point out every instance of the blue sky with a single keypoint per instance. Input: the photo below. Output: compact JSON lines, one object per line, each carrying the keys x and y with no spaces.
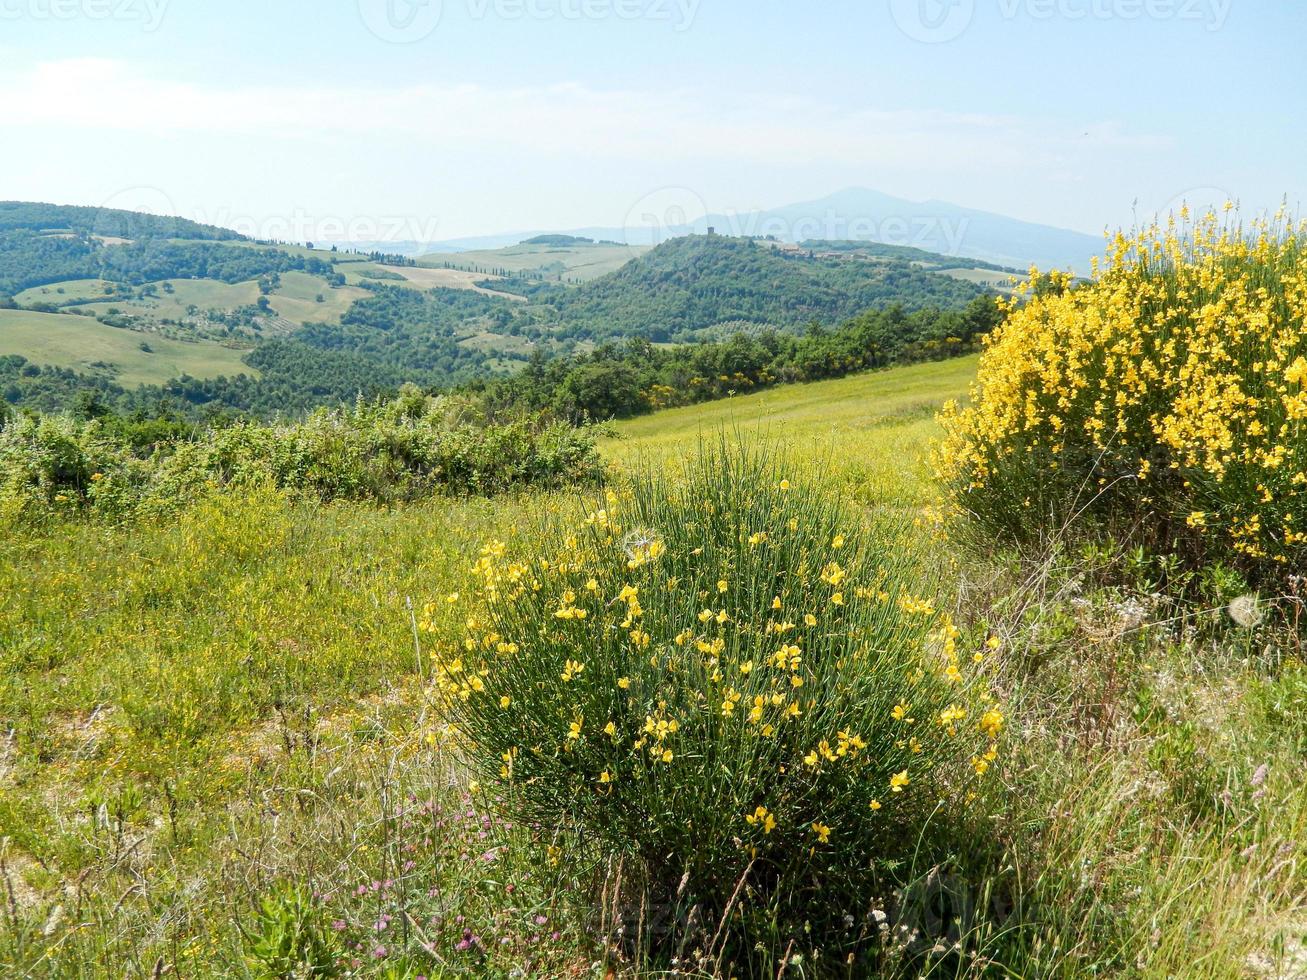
{"x":313,"y":115}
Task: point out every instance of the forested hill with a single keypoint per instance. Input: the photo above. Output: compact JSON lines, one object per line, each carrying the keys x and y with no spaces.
{"x":693,"y":284}
{"x":105,"y":222}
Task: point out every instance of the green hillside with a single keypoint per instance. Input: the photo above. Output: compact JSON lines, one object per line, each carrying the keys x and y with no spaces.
{"x":688,"y":286}
{"x":310,"y":326}
{"x":105,"y":222}
{"x":870,"y":426}
{"x":562,"y":259}
{"x":83,"y":344}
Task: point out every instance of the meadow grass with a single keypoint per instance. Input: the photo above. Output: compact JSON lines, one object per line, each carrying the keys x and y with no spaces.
{"x":583,"y":262}
{"x":296,"y":299}
{"x":61,"y":293}
{"x":218,"y":742}
{"x":84,"y":344}
{"x":870,"y":430}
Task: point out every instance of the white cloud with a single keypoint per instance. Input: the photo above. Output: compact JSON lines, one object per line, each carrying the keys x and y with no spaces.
{"x":560,"y":119}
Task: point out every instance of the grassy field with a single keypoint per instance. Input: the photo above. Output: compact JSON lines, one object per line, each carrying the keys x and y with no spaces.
{"x":871,"y":429}
{"x":1001,"y":281}
{"x":557,"y":262}
{"x":84,"y":344}
{"x":296,"y":299}
{"x":225,"y":711}
{"x":62,"y":293}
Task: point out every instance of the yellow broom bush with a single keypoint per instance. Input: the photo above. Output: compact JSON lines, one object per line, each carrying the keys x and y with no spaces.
{"x":1166,"y":398}
{"x":729,"y":683}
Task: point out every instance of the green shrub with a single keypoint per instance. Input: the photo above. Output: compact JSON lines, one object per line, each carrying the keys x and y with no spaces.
{"x":726,"y":683}
{"x":399,"y":450}
{"x":289,"y":942}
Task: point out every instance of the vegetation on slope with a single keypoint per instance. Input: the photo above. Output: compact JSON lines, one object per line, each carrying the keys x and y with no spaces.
{"x":224,"y":760}
{"x":400,"y":450}
{"x":106,"y":222}
{"x":688,"y":285}
{"x":618,"y":381}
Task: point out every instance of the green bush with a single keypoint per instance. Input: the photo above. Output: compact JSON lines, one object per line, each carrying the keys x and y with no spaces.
{"x":411,"y":447}
{"x":726,"y":684}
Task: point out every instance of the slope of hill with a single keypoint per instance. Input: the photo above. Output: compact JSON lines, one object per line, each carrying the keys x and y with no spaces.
{"x":700,"y":285}
{"x":83,"y":344}
{"x":872,"y":425}
{"x":274,"y":328}
{"x":558,"y":258}
{"x":105,"y":222}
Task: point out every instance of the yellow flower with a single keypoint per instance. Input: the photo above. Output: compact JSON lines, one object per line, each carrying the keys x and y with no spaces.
{"x":837,"y":599}
{"x":624,"y":682}
{"x":900,"y":713}
{"x":785,"y":484}
{"x":610,"y":729}
{"x":898,"y":781}
{"x":776,"y":603}
{"x":822,"y":832}
{"x":875,"y":804}
{"x":991,"y":722}
{"x":722,"y":586}
{"x":762,"y":817}
{"x":833,"y":574}
{"x":505,"y":701}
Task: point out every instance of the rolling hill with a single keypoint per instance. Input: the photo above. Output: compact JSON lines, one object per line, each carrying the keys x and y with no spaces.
{"x":211,"y":320}
{"x":703,"y":286}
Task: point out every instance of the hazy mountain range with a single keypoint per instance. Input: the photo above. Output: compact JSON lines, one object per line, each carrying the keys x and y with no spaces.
{"x":855,"y":214}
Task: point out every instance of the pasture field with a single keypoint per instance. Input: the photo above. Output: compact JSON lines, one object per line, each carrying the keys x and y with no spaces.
{"x":1001,"y":281}
{"x":84,"y":344}
{"x":296,"y":299}
{"x":869,"y":429}
{"x":63,"y":293}
{"x":221,"y":744}
{"x":556,"y":262}
{"x":425,"y":278}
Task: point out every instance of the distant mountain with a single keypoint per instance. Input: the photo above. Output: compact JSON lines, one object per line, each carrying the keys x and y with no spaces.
{"x":858,"y":214}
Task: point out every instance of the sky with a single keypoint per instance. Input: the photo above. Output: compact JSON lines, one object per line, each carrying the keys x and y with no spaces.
{"x":438,"y":119}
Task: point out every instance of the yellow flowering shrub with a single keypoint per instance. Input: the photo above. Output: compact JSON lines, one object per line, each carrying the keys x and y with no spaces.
{"x":1167,"y":397}
{"x":728,"y":681}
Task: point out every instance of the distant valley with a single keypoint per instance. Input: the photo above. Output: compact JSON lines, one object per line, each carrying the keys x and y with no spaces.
{"x":141,"y":309}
